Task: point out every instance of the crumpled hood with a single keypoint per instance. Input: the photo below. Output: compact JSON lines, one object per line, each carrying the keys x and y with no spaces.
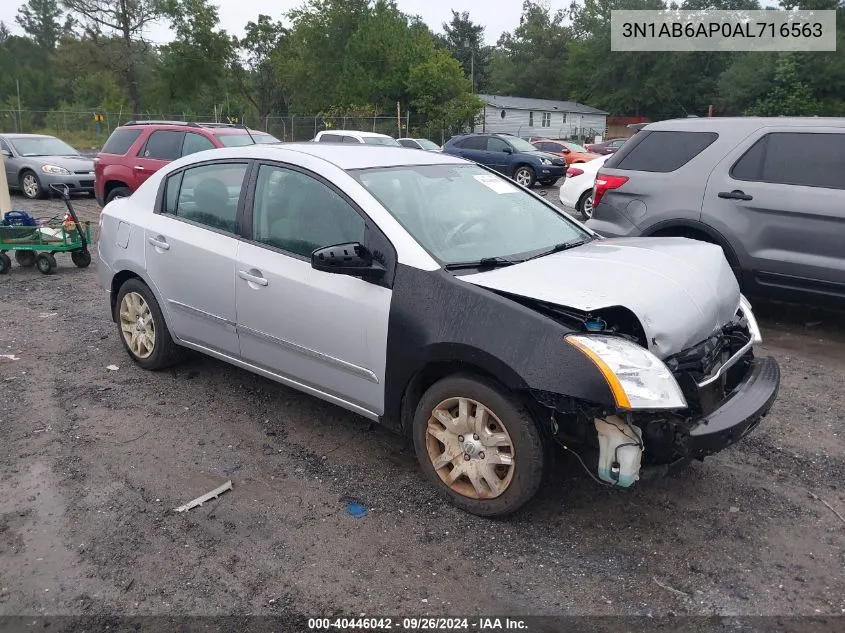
{"x":681,"y":290}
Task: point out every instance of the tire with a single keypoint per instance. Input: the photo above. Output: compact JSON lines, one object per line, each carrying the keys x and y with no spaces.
{"x":118,"y":192}
{"x":82,"y":258}
{"x":30,"y":186}
{"x":5,"y":264}
{"x":525,"y":176}
{"x":46,"y":263}
{"x":153,"y":353}
{"x":25,"y":259}
{"x":508,"y":423}
{"x":584,"y":206}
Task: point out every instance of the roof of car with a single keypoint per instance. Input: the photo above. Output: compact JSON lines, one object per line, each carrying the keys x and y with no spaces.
{"x":353,"y":156}
{"x":355,"y":132}
{"x":219,"y":128}
{"x":716,"y":124}
{"x":19,"y":135}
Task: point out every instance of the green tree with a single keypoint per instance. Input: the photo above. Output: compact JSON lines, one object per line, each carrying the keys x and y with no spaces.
{"x":464,"y":39}
{"x":260,"y":77}
{"x":789,"y":96}
{"x":42,"y":21}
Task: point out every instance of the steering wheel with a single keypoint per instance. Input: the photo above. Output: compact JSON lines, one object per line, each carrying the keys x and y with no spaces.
{"x":463,"y":226}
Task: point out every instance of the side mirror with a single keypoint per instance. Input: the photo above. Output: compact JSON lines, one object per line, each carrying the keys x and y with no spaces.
{"x":566,"y":150}
{"x":6,"y":153}
{"x":508,"y":150}
{"x":352,"y":259}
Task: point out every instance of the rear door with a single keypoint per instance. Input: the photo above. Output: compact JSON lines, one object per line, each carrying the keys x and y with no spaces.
{"x":782,"y":195}
{"x":162,"y":147}
{"x":472,"y":148}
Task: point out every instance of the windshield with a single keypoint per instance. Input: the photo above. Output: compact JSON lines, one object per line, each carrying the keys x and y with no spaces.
{"x":42,"y":146}
{"x":426,"y":144}
{"x":463,"y":213}
{"x":574,"y":147}
{"x":520,"y":145}
{"x":239,"y":140}
{"x":381,"y":140}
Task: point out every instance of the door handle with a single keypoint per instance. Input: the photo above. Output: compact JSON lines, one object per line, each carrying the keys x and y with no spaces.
{"x":254,"y":279}
{"x":159,"y":242}
{"x":736,"y":194}
{"x":139,"y":168}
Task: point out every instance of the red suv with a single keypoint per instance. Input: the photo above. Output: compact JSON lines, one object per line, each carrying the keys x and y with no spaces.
{"x":138,"y":149}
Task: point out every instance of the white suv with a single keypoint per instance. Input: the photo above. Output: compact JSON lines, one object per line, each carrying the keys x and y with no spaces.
{"x":352,"y":136}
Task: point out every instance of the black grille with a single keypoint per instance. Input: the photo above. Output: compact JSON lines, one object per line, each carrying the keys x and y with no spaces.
{"x":86,"y":183}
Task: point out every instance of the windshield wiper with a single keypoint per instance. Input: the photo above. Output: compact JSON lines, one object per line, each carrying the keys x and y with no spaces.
{"x":485,"y":263}
{"x":557,"y":248}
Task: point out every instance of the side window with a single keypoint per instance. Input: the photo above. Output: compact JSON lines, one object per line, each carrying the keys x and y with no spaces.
{"x":351,"y":139}
{"x":163,"y":145}
{"x":496,"y":144}
{"x":530,"y":119}
{"x":195,"y":143}
{"x":406,"y":142}
{"x":815,"y":160}
{"x":208,"y":194}
{"x":473,"y":142}
{"x":4,"y":147}
{"x":299,"y":214}
{"x":331,"y":138}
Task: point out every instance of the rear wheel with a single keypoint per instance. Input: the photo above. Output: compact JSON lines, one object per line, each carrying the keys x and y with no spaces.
{"x":478,"y":445}
{"x":46,"y":263}
{"x":524,"y":176}
{"x":585,"y":204}
{"x":142,"y":328}
{"x":5,"y":264}
{"x":82,"y":258}
{"x":118,"y":192}
{"x":25,"y":259}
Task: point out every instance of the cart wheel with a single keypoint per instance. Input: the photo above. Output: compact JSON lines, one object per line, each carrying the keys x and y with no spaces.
{"x":5,"y":264}
{"x":46,"y":263}
{"x":25,"y":259}
{"x":81,"y":258}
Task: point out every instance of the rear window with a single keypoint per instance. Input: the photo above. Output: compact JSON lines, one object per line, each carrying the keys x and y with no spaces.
{"x":241,"y":140}
{"x":381,"y":140}
{"x":331,"y":138}
{"x":120,"y":141}
{"x":795,"y":158}
{"x":661,"y":151}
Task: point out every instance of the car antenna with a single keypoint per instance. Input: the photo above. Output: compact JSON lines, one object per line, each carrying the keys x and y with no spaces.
{"x":250,"y":134}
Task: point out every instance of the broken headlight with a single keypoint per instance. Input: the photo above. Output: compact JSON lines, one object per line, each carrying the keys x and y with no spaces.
{"x":637,"y":378}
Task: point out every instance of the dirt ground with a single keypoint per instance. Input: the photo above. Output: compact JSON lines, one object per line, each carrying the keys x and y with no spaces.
{"x":93,"y":460}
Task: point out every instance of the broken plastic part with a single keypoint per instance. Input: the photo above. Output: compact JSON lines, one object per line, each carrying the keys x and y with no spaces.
{"x":620,"y":451}
{"x":206,"y":497}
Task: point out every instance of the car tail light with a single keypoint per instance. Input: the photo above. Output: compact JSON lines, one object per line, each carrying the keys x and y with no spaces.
{"x":604,"y":183}
{"x":574,"y":171}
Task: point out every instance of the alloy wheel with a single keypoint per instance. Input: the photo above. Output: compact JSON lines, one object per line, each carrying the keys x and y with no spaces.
{"x":137,"y":325}
{"x":30,"y":186}
{"x":523,"y":177}
{"x":470,"y":449}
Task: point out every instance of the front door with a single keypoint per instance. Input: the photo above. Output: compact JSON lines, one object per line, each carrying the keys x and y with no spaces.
{"x":782,"y":195}
{"x":162,"y":147}
{"x":191,"y":250}
{"x":498,"y":155}
{"x":323,"y":331}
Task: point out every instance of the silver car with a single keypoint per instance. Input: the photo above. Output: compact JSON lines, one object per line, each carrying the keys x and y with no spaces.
{"x":445,"y":301}
{"x":35,"y":161}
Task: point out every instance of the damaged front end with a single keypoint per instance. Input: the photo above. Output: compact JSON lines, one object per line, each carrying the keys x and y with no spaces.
{"x":686,"y":406}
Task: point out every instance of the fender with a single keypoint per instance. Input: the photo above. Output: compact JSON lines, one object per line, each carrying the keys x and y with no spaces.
{"x":435,"y":317}
{"x":716,"y":236}
{"x":126,"y":265}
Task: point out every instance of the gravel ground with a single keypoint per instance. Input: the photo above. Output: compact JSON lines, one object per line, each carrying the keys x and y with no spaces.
{"x":93,"y":459}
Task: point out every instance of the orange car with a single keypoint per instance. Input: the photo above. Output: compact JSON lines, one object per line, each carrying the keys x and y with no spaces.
{"x":570,"y":152}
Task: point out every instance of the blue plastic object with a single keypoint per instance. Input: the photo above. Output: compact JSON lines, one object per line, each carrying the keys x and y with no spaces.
{"x":595,"y":325}
{"x":18,"y":218}
{"x":356,"y":510}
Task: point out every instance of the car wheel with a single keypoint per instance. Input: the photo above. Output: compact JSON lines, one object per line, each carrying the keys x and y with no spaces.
{"x":25,"y":259}
{"x":142,"y":328}
{"x":585,"y":204}
{"x":478,"y":445}
{"x":46,"y":263}
{"x":524,"y":176}
{"x":82,"y":258}
{"x":118,"y":192}
{"x":5,"y":264}
{"x":31,"y":186}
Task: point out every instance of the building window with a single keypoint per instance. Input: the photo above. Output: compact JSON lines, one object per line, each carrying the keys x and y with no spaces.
{"x":530,"y":119}
{"x":564,"y":117}
{"x":503,"y":113}
{"x":547,"y":119}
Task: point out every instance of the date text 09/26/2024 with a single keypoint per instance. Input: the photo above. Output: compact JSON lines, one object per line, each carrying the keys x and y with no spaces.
{"x":418,"y":624}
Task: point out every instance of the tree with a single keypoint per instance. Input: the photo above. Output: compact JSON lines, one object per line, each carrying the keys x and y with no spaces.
{"x":4,"y":33}
{"x":42,"y":21}
{"x":465,"y":40}
{"x":789,"y":96}
{"x":126,"y":19}
{"x":263,"y":49}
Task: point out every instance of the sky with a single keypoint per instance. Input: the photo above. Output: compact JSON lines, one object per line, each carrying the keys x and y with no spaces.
{"x":496,"y":15}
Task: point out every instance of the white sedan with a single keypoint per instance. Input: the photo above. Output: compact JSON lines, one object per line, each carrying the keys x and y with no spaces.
{"x":576,"y":192}
{"x":443,"y":300}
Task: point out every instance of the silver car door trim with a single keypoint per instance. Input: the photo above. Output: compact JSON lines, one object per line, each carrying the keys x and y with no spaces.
{"x":727,"y":365}
{"x":357,"y":370}
{"x":323,"y":395}
{"x":201,"y":313}
{"x":255,"y":279}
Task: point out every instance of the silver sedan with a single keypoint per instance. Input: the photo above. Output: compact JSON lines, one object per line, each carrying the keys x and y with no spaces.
{"x":36,"y":161}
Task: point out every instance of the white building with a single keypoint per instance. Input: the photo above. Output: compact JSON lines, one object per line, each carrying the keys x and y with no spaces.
{"x":541,"y":117}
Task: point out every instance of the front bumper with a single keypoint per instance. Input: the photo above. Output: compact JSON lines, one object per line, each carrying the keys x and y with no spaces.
{"x":740,"y":413}
{"x":77,"y":183}
{"x":547,"y":172}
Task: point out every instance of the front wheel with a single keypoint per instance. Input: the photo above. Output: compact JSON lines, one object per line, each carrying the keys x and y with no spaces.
{"x":524,"y":176}
{"x":142,"y":328}
{"x":82,"y":258}
{"x":478,"y":445}
{"x":25,"y":259}
{"x":5,"y":264}
{"x":118,"y":192}
{"x":46,"y":263}
{"x":31,"y":186}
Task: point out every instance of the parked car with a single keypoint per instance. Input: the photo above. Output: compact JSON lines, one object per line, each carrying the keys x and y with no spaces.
{"x":609,"y":146}
{"x":576,"y":192}
{"x":769,"y":191}
{"x":36,"y":161}
{"x":138,"y":149}
{"x":572,"y":153}
{"x":420,"y":143}
{"x":509,"y":155}
{"x":431,"y":294}
{"x":353,"y":136}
